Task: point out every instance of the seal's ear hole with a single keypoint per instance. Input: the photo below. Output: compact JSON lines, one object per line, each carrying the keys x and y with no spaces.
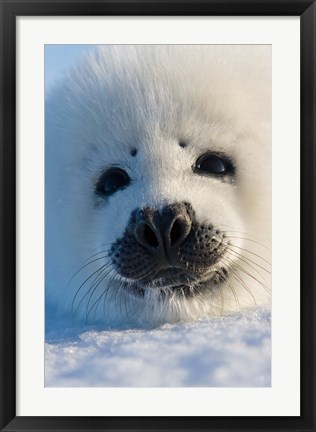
{"x":112,"y":180}
{"x":133,"y":152}
{"x":182,"y":144}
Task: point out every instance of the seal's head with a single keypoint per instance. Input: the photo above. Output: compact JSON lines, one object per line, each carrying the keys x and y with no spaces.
{"x":158,"y":175}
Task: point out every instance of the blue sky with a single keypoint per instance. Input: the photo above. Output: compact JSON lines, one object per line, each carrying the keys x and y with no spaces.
{"x":58,"y":58}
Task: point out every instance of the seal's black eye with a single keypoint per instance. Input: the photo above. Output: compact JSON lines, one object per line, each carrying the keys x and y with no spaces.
{"x":111,"y":181}
{"x":213,"y":164}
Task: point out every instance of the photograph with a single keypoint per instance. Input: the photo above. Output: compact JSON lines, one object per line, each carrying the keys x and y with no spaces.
{"x":157,"y":194}
{"x":158,"y":179}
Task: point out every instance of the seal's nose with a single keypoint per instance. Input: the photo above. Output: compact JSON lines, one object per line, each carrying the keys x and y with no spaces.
{"x":163,"y":232}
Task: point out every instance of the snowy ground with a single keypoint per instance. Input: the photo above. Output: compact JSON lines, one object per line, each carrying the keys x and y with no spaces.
{"x":229,"y":352}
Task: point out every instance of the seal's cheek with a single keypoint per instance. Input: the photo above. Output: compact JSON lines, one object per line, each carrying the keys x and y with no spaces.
{"x":217,"y":204}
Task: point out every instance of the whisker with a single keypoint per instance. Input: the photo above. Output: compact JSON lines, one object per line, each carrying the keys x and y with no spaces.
{"x":94,"y":286}
{"x":131,"y":314}
{"x":222,"y":300}
{"x":112,"y":278}
{"x":118,"y":294}
{"x":242,"y":283}
{"x":86,"y":280}
{"x":247,"y":260}
{"x":251,"y":267}
{"x":248,"y":239}
{"x":84,"y":266}
{"x":250,"y":252}
{"x":253,"y":277}
{"x":102,"y":245}
{"x":235,"y":295}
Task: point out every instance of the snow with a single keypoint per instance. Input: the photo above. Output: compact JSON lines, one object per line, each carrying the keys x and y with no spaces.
{"x":230,"y":351}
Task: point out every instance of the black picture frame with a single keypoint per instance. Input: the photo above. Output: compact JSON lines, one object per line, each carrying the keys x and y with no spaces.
{"x":9,"y":11}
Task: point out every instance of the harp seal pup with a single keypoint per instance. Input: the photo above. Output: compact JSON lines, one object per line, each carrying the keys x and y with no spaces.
{"x":158,"y":178}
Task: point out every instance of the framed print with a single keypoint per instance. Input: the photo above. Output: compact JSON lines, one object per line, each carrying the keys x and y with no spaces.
{"x":157,"y":222}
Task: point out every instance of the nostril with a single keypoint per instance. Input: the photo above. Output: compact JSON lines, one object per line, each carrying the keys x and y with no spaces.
{"x":150,"y":237}
{"x":176,"y":231}
{"x":179,"y":231}
{"x":146,"y":236}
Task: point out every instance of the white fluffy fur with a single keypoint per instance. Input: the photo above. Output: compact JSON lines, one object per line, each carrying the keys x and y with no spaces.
{"x":148,"y":97}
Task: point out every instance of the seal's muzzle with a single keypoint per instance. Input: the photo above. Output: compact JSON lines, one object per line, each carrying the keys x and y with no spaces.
{"x":168,"y":245}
